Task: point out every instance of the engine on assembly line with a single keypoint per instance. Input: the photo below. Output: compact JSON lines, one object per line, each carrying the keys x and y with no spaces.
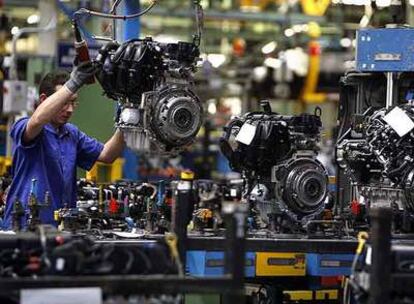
{"x":284,"y":182}
{"x":158,"y":111}
{"x":379,"y":159}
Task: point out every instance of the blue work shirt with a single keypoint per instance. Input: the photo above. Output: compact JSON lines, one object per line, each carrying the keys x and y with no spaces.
{"x":51,"y":159}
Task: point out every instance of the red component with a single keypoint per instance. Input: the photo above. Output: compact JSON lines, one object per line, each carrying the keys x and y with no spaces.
{"x":314,"y":48}
{"x":300,"y":260}
{"x":355,"y":207}
{"x":33,"y":266}
{"x":169,"y":201}
{"x":113,"y":206}
{"x":59,"y":240}
{"x":34,"y":259}
{"x":239,"y":47}
{"x":330,"y":281}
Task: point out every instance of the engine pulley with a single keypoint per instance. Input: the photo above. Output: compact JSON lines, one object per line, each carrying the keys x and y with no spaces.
{"x":177,"y":116}
{"x":302,"y":185}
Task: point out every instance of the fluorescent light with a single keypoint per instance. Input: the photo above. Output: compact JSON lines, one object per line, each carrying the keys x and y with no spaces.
{"x":259,"y":73}
{"x":383,"y":3}
{"x":166,"y":38}
{"x":269,"y":47}
{"x":345,"y":42}
{"x":273,"y":63}
{"x":14,"y":30}
{"x":33,"y":19}
{"x":289,"y":32}
{"x":216,"y":59}
{"x":297,"y":60}
{"x":297,"y":28}
{"x":212,"y":108}
{"x":353,"y":2}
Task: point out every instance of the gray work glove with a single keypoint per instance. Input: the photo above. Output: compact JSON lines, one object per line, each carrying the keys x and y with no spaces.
{"x":80,"y":75}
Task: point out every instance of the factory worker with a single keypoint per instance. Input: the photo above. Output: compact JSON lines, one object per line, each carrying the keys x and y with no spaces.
{"x":47,"y":149}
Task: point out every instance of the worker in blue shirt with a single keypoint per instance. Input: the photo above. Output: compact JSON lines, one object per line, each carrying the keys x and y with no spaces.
{"x":47,"y":149}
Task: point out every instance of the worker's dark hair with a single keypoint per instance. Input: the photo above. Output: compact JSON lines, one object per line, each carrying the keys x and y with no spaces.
{"x":51,"y":80}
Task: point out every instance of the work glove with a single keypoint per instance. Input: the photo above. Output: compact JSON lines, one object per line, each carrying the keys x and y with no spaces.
{"x":80,"y":75}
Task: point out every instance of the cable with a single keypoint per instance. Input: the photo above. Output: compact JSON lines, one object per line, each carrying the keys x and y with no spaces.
{"x":114,"y":6}
{"x":146,"y":261}
{"x":43,"y":242}
{"x":129,"y":263}
{"x":83,"y":11}
{"x":199,"y":16}
{"x":172,"y":240}
{"x":69,"y":14}
{"x":362,"y":239}
{"x":343,"y":102}
{"x":346,"y":297}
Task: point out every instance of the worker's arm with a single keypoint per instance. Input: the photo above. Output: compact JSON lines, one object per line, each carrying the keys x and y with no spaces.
{"x":112,"y":148}
{"x":45,"y":112}
{"x":51,"y":106}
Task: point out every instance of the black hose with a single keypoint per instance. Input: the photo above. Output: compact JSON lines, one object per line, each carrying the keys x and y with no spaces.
{"x":398,"y":170}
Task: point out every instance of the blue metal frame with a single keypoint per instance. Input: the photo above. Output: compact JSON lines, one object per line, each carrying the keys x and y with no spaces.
{"x":211,"y":263}
{"x":328,"y":264}
{"x":385,"y":50}
{"x":131,"y":29}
